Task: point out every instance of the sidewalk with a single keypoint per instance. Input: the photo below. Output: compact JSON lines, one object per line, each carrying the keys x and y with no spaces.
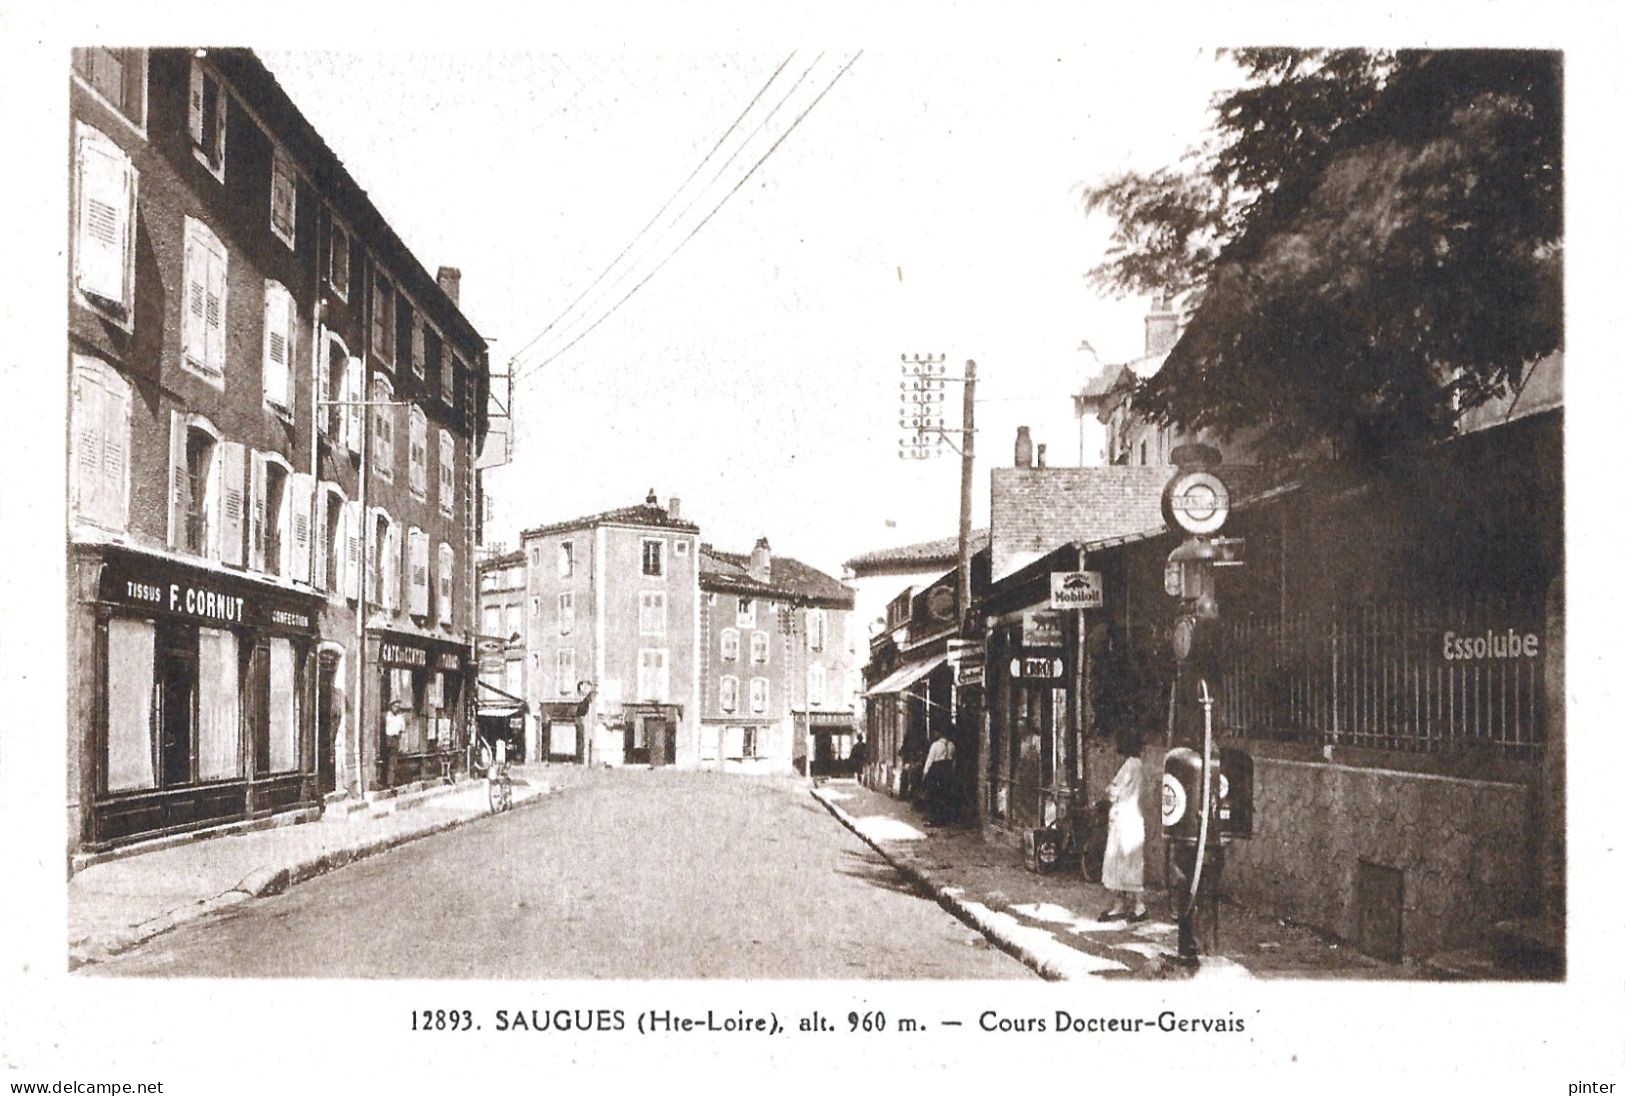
{"x":116,"y":905}
{"x":1034,"y":917}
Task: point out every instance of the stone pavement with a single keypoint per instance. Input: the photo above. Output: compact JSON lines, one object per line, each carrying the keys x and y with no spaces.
{"x":982,"y":879}
{"x":119,"y":903}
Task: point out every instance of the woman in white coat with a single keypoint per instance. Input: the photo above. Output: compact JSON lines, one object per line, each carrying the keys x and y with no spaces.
{"x":1123,"y":871}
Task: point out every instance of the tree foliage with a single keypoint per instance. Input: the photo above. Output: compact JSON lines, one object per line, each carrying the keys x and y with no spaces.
{"x":1375,"y":241}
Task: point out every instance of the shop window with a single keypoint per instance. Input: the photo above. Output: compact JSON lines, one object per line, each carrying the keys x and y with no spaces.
{"x":203,"y":320}
{"x":654,"y":557}
{"x":750,"y":742}
{"x":564,"y":672}
{"x":104,"y":238}
{"x":130,"y":668}
{"x":101,"y":444}
{"x":338,"y":262}
{"x":728,"y":694}
{"x":652,"y":613}
{"x":759,"y":648}
{"x":567,"y":613}
{"x":730,"y":645}
{"x":219,"y":706}
{"x":119,"y":77}
{"x":275,"y":681}
{"x":207,"y":119}
{"x":284,"y":195}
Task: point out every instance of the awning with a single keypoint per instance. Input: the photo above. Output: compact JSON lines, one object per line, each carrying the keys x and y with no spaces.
{"x":902,"y":678}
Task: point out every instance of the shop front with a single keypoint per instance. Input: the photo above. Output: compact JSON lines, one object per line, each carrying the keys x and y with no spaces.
{"x":650,"y":732}
{"x":561,"y":730}
{"x":194,"y":690}
{"x":430,"y":679}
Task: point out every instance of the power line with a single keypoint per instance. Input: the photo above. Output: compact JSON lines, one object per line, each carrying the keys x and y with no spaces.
{"x":658,"y":213}
{"x":702,"y":224}
{"x":628,"y":269}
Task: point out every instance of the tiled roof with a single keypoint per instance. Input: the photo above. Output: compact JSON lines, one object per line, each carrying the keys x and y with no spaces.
{"x":652,"y":516}
{"x":789,"y":578}
{"x":928,"y":553}
{"x":507,"y":559}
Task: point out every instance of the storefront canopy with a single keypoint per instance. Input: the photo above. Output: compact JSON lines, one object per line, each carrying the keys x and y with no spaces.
{"x":905,"y":676}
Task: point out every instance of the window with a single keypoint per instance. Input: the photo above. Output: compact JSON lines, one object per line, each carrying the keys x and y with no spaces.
{"x":728,"y":694}
{"x":758,"y":695}
{"x":759,"y":647}
{"x":408,"y":336}
{"x":567,"y":559}
{"x":745,"y":615}
{"x":433,"y":355}
{"x":383,"y":430}
{"x":100,"y":444}
{"x":417,"y":457}
{"x":750,"y":741}
{"x":280,"y":330}
{"x":330,"y":543}
{"x":383,"y":577}
{"x":219,"y":706}
{"x":730,"y":645}
{"x":417,"y":580}
{"x":652,"y":613}
{"x":513,"y":622}
{"x":206,"y":120}
{"x":419,"y":355}
{"x":815,"y":684}
{"x":491,"y":620}
{"x":681,"y":548}
{"x":1142,"y":451}
{"x":564,"y":672}
{"x":513,"y":677}
{"x":448,"y":568}
{"x":383,"y":321}
{"x":567,"y":613}
{"x":448,"y":380}
{"x":815,"y":629}
{"x":338,"y":262}
{"x":654,"y":557}
{"x":198,"y":486}
{"x":104,"y":214}
{"x":203,"y":324}
{"x":282,"y":722}
{"x":653,"y":675}
{"x":131,"y":647}
{"x":284,"y":195}
{"x":271,"y":516}
{"x":119,"y":77}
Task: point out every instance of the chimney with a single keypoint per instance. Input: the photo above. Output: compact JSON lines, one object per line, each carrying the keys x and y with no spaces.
{"x":1024,"y":447}
{"x":674,"y":507}
{"x":1041,"y":449}
{"x":649,"y":499}
{"x":761,"y":561}
{"x":1161,"y":325}
{"x":451,"y":282}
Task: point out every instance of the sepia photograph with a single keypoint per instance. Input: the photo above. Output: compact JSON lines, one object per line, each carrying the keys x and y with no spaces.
{"x":547,"y":528}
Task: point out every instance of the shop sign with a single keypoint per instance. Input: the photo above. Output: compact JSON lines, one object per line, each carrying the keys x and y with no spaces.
{"x":969,"y":673}
{"x":399,"y":654}
{"x":1039,"y":668}
{"x":1040,"y":628}
{"x":450,"y":660}
{"x":939,"y":603}
{"x":162,"y":587}
{"x":1075,"y":590}
{"x":1490,"y":644}
{"x":1197,"y":502}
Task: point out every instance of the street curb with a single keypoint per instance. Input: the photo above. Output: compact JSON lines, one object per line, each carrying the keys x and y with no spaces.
{"x":259,"y":883}
{"x":950,"y":899}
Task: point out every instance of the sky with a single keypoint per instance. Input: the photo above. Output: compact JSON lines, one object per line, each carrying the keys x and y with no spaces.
{"x":921,"y":206}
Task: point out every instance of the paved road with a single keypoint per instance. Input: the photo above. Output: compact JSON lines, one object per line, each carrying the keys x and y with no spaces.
{"x":629,"y":874}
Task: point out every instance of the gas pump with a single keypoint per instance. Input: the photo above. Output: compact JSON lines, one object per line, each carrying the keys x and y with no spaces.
{"x":1201,"y":808}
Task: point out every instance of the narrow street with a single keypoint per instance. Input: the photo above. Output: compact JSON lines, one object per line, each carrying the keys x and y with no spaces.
{"x":633,"y":873}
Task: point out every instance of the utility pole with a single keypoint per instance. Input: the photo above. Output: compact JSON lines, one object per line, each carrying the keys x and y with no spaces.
{"x":920,"y":413}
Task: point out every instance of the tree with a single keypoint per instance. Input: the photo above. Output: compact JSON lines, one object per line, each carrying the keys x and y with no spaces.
{"x":1374,"y":240}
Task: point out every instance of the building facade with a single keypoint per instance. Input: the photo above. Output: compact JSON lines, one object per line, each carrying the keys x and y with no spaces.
{"x":777,"y":668}
{"x":272,"y":413}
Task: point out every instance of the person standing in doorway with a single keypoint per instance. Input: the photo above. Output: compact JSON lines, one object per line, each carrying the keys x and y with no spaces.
{"x":1123,"y":871}
{"x":394,"y":724}
{"x":938,"y":779}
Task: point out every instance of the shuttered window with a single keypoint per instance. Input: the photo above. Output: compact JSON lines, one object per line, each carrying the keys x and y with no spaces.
{"x":815,"y":684}
{"x":417,"y":548}
{"x":206,"y":119}
{"x":338,"y":262}
{"x":195,"y":510}
{"x":418,"y":452}
{"x":284,"y":196}
{"x":448,"y":567}
{"x":104,"y":241}
{"x":652,"y":613}
{"x":654,"y":680}
{"x":448,"y":379}
{"x":100,"y":444}
{"x":354,"y":395}
{"x":383,"y":321}
{"x":233,"y":502}
{"x":382,"y":456}
{"x":448,"y":473}
{"x":119,"y":76}
{"x":278,"y":347}
{"x":203,"y":320}
{"x":301,"y":505}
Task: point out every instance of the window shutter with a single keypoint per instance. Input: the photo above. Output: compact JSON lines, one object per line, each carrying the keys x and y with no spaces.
{"x":392,"y":569}
{"x":89,"y":416}
{"x":370,"y":572}
{"x":418,"y":547}
{"x":217,"y":149}
{"x":105,"y":178}
{"x":231,"y":503}
{"x":256,"y":514}
{"x":278,"y":343}
{"x":318,"y":521}
{"x":215,"y":344}
{"x":194,"y":322}
{"x":417,"y":348}
{"x":194,"y":115}
{"x":448,"y":580}
{"x":448,"y":472}
{"x":352,"y":550}
{"x":115,"y":470}
{"x":354,"y":419}
{"x":300,"y":508}
{"x":179,"y":489}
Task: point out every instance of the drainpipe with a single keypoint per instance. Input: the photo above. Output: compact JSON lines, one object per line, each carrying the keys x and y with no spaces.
{"x":361,"y":548}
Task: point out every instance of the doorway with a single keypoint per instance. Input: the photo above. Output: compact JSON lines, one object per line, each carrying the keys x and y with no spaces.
{"x":326,"y":759}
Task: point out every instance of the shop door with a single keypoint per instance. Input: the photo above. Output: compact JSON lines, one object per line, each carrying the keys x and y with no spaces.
{"x":637,"y":740}
{"x":326,"y":772}
{"x":176,"y":720}
{"x":662,"y":736}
